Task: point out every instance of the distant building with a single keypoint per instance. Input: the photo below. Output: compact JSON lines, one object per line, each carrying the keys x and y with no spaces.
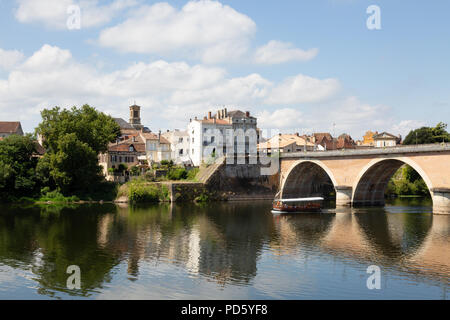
{"x":157,"y":148}
{"x":126,"y":152}
{"x":205,"y":133}
{"x":137,"y":145}
{"x":329,"y":143}
{"x":179,"y":146}
{"x":368,"y":138}
{"x":287,"y":143}
{"x":386,"y":139}
{"x":345,"y":141}
{"x":325,"y":140}
{"x":135,"y":117}
{"x":10,"y":128}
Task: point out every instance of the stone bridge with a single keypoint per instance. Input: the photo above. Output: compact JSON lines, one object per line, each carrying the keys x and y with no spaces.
{"x":360,"y":176}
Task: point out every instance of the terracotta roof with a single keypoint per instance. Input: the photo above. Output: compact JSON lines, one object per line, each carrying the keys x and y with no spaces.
{"x":153,"y":136}
{"x":125,"y":147}
{"x":217,"y":121}
{"x":283,"y":141}
{"x":237,"y":114}
{"x":385,"y":135}
{"x":323,"y":136}
{"x":9,"y":127}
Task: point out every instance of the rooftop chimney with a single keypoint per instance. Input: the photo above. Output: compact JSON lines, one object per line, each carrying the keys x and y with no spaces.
{"x":209,"y":114}
{"x":247,"y":114}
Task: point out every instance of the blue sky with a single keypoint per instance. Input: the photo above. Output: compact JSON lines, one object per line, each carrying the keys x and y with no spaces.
{"x":297,"y":65}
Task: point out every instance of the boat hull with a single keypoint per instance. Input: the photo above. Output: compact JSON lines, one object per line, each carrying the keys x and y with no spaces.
{"x":312,"y":207}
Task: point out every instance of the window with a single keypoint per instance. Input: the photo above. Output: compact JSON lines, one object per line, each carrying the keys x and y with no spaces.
{"x":180,"y":140}
{"x":192,"y":140}
{"x":180,"y":152}
{"x":131,"y":149}
{"x":151,"y":146}
{"x":192,"y":151}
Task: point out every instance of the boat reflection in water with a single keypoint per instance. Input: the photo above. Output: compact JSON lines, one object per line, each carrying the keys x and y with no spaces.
{"x":297,"y":205}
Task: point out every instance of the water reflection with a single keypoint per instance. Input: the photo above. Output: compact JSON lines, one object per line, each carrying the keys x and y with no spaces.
{"x":223,"y":243}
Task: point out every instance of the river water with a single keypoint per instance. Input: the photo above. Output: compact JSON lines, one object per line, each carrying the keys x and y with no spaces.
{"x":224,"y":251}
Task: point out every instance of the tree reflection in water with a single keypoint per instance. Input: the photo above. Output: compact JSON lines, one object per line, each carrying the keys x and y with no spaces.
{"x":220,"y":242}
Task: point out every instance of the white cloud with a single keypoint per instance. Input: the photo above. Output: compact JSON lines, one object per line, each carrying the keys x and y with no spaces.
{"x":204,"y":29}
{"x":276,"y":52}
{"x":10,"y":58}
{"x":405,"y":126}
{"x":286,"y":118}
{"x":53,"y":13}
{"x":351,"y":116}
{"x":303,"y":89}
{"x":171,"y":93}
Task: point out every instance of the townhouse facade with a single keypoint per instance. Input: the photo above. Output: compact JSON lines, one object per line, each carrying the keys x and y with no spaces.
{"x":233,"y":132}
{"x":179,"y":146}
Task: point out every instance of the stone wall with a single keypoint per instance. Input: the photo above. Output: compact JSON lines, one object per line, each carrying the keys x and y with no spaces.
{"x":190,"y":191}
{"x":243,"y":181}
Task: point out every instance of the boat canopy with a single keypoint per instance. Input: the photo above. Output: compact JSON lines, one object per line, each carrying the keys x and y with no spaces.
{"x":300,"y":199}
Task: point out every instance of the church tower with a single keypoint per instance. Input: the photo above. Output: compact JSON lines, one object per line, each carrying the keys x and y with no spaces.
{"x":135,"y":117}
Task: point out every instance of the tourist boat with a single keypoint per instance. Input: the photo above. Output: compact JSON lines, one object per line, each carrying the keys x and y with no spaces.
{"x":297,"y":205}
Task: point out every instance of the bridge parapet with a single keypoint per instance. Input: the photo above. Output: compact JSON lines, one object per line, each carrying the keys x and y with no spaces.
{"x":421,"y":148}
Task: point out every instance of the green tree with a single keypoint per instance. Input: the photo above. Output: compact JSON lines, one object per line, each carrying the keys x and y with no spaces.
{"x":74,"y":167}
{"x":73,"y":139}
{"x":90,"y":126}
{"x":426,"y":135}
{"x":17,"y":166}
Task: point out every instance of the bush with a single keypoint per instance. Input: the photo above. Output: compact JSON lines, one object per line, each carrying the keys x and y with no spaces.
{"x":139,"y":192}
{"x":53,"y":196}
{"x":177,"y":174}
{"x":143,"y":194}
{"x":135,"y":170}
{"x":192,"y":174}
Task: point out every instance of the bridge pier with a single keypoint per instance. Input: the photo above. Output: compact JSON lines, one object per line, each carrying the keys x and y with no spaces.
{"x":343,"y":196}
{"x":441,"y":200}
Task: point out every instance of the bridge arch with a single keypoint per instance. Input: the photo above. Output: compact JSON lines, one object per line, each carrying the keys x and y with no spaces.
{"x":370,"y":185}
{"x":307,"y":178}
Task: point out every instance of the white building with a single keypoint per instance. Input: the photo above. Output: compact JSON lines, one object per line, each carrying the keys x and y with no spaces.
{"x":385,"y":139}
{"x":179,"y":145}
{"x":233,"y":132}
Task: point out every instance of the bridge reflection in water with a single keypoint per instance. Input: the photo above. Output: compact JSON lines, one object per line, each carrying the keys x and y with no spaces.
{"x":229,"y":245}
